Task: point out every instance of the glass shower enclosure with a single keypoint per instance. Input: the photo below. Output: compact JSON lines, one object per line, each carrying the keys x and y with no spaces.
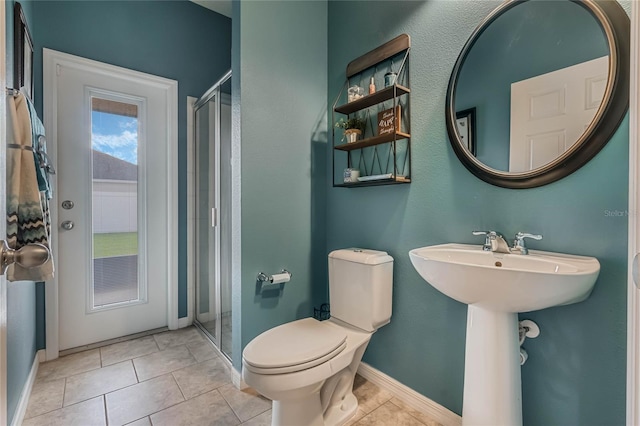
{"x":213,"y":214}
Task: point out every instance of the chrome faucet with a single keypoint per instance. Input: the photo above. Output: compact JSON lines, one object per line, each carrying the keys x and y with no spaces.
{"x":493,"y":242}
{"x":518,"y":244}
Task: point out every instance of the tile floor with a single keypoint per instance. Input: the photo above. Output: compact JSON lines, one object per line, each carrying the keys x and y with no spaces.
{"x":172,"y":378}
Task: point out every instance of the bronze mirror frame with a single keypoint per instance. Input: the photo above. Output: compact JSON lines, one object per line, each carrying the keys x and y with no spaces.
{"x":616,"y":27}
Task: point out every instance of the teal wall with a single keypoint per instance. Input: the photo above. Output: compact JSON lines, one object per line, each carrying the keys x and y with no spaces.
{"x":571,"y":35}
{"x":280,"y":77}
{"x":575,"y":374}
{"x":21,"y":295}
{"x":174,"y":39}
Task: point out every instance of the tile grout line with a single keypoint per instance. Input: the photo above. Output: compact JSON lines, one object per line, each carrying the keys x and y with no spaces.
{"x":135,"y":370}
{"x":228,"y":404}
{"x":230,"y":407}
{"x":27,"y":417}
{"x":407,"y":411}
{"x":134,"y":357}
{"x":257,"y":415}
{"x":178,"y":384}
{"x":172,"y":405}
{"x":367,"y":415}
{"x":106,"y":414}
{"x":64,"y":392}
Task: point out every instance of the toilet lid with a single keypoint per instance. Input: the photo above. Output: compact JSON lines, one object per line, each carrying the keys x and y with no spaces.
{"x":294,"y":343}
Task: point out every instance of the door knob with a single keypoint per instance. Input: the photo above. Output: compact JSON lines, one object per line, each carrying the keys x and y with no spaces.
{"x":67,"y":224}
{"x":29,"y":256}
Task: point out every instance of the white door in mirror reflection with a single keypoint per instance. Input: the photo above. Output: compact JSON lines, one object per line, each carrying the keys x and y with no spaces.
{"x":551,"y":111}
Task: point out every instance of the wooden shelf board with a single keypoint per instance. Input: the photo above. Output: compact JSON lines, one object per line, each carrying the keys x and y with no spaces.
{"x":373,"y":99}
{"x":376,"y":140}
{"x":379,"y":182}
{"x":379,"y":54}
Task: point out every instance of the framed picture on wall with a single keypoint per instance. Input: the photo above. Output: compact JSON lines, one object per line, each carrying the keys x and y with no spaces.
{"x":22,"y":53}
{"x":466,"y":124}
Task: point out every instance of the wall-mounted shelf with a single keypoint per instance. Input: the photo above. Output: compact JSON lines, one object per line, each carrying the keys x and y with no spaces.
{"x":381,"y":151}
{"x":367,"y":101}
{"x":375,"y":140}
{"x":379,"y":182}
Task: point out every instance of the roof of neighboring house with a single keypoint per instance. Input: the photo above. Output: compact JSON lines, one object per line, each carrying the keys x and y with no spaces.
{"x":106,"y":166}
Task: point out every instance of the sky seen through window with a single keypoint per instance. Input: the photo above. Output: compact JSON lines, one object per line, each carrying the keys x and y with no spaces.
{"x":116,"y":135}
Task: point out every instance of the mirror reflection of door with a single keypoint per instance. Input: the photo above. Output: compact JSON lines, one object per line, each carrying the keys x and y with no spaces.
{"x":551,"y":111}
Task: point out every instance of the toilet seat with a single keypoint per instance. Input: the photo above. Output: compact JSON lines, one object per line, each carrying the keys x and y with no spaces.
{"x":294,"y":346}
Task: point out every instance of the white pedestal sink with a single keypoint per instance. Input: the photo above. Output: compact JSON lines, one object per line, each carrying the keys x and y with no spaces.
{"x":497,"y":286}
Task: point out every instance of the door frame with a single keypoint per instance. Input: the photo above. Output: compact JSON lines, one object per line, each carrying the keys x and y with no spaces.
{"x":4,"y":415}
{"x":52,"y":60}
{"x":633,"y":292}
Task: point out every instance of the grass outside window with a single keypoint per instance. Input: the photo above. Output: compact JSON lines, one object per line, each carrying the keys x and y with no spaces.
{"x":115,"y":244}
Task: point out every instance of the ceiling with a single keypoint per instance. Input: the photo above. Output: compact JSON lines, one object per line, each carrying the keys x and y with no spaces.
{"x":222,"y":7}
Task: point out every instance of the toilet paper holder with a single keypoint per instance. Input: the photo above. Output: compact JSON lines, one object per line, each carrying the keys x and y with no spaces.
{"x":268,"y":280}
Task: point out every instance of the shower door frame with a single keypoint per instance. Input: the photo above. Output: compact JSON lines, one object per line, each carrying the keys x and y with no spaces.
{"x":195,"y":105}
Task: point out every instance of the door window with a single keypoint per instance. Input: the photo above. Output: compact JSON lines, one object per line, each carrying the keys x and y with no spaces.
{"x":116,"y":277}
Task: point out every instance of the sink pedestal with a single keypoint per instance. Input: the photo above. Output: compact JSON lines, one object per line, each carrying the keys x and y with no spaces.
{"x":496,"y":286}
{"x":492,"y":384}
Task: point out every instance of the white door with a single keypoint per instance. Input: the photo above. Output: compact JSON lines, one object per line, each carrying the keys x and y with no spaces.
{"x":114,"y":199}
{"x":551,"y":111}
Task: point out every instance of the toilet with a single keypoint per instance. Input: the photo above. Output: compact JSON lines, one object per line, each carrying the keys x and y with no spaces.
{"x":307,"y":367}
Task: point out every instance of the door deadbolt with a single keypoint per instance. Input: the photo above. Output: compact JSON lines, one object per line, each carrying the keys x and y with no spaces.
{"x":67,"y":204}
{"x":67,"y":224}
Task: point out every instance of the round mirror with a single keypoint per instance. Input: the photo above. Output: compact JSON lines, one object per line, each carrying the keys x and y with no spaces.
{"x":539,"y":89}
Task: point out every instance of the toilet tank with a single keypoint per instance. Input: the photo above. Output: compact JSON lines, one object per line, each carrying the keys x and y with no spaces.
{"x":360,"y":287}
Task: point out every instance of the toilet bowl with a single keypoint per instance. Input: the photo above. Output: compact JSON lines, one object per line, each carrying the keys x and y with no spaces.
{"x":307,"y":367}
{"x":297,"y":381}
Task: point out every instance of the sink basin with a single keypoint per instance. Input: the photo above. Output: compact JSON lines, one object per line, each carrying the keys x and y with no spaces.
{"x":506,"y":282}
{"x":496,"y":286}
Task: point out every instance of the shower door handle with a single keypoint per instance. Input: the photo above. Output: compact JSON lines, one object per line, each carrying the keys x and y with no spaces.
{"x":214,"y":217}
{"x":29,"y":256}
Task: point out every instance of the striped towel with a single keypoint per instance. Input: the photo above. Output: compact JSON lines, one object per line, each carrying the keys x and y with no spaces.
{"x":39,"y":144}
{"x":26,"y":219}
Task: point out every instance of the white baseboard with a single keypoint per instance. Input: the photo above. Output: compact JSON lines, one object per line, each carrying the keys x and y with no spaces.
{"x":410,"y":397}
{"x":184,"y":322}
{"x":236,"y":379}
{"x":21,"y":409}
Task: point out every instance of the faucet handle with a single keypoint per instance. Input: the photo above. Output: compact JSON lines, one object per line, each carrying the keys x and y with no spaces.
{"x":518,"y":243}
{"x":489,"y":235}
{"x":520,"y":236}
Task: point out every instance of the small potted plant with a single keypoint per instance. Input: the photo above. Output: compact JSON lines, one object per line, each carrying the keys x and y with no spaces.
{"x":353,"y":128}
